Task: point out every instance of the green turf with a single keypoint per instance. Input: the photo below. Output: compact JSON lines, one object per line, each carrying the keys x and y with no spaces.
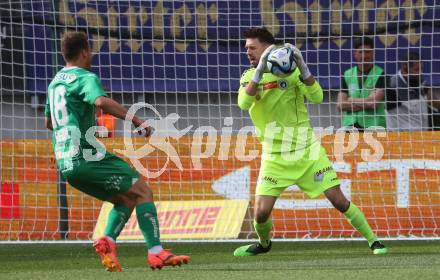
{"x":415,"y":260}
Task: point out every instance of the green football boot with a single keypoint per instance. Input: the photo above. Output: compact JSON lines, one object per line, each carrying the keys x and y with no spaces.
{"x":378,"y":248}
{"x":252,"y":250}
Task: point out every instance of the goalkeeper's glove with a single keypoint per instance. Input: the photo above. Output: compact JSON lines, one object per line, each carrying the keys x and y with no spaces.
{"x":299,"y":60}
{"x":258,"y":75}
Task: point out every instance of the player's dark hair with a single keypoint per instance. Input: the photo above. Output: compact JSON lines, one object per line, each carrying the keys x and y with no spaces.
{"x":72,"y":43}
{"x":363,"y":41}
{"x":410,"y":58}
{"x":261,"y":33}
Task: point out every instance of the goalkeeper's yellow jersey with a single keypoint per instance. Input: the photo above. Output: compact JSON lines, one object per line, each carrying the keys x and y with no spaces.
{"x":278,"y":111}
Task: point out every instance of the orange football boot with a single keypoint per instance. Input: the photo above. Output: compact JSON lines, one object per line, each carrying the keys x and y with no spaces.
{"x":165,"y":258}
{"x":106,"y":250}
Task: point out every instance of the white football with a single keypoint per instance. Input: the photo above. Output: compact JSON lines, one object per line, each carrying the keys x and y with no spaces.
{"x":280,"y":62}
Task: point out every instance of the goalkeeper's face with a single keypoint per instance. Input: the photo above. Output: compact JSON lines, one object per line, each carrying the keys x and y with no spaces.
{"x":254,"y":50}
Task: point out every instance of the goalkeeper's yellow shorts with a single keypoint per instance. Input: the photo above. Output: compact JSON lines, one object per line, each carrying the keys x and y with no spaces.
{"x":312,"y":176}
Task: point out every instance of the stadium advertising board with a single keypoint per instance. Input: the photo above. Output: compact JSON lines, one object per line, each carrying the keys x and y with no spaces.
{"x":196,"y":46}
{"x":395,"y":183}
{"x":213,"y":219}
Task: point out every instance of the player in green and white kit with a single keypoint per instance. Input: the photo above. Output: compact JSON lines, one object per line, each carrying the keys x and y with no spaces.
{"x":291,"y":153}
{"x":70,"y":112}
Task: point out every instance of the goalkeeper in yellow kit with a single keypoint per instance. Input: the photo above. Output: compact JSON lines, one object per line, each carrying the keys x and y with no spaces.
{"x":291,"y":153}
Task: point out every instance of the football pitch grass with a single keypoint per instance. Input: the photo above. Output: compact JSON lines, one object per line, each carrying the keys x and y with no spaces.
{"x":214,"y":261}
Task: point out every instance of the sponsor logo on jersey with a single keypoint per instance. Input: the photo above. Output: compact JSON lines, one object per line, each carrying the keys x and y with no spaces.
{"x":270,"y":85}
{"x":283,"y":84}
{"x":66,"y":77}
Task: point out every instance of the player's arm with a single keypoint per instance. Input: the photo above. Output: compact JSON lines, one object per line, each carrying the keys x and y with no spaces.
{"x":93,"y":93}
{"x":313,"y":92}
{"x":48,"y":123}
{"x":248,"y":88}
{"x":109,"y":106}
{"x":47,"y":119}
{"x":348,"y":104}
{"x":311,"y":89}
{"x":245,"y":100}
{"x":376,"y":96}
{"x":344,"y":103}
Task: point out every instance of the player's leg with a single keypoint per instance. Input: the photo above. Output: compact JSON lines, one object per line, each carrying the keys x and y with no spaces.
{"x":355,"y":217}
{"x":263,"y":226}
{"x":103,"y":180}
{"x":262,"y":220}
{"x":321,"y":178}
{"x":140,"y":196}
{"x":113,"y":180}
{"x":106,"y":245}
{"x":274,"y":178}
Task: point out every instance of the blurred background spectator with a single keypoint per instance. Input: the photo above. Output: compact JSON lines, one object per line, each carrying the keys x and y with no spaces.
{"x":406,"y":98}
{"x":362,"y":89}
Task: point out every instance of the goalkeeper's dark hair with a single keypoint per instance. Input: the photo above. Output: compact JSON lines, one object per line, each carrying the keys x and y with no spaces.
{"x":261,"y":33}
{"x":72,"y":43}
{"x":363,"y":41}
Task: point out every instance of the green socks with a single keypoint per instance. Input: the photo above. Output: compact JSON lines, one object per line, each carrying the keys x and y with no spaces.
{"x":263,"y":231}
{"x":357,"y":219}
{"x":117,"y":218}
{"x":147,"y":220}
{"x":149,"y":225}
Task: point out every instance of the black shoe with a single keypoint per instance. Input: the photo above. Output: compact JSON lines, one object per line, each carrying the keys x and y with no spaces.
{"x":378,"y":248}
{"x":252,"y":250}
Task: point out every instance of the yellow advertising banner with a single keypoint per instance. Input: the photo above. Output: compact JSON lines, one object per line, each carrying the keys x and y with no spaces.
{"x":213,"y":219}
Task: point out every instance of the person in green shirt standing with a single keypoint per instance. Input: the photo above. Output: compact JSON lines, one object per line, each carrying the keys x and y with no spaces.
{"x":291,"y":154}
{"x":361,"y":99}
{"x":73,"y":95}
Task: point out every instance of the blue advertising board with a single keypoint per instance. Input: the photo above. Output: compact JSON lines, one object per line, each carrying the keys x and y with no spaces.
{"x":197,"y":46}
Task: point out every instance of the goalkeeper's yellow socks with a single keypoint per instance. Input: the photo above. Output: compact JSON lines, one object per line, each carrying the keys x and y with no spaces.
{"x":357,"y":219}
{"x":264,"y":245}
{"x":149,"y":225}
{"x":117,"y":218}
{"x":263,"y":231}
